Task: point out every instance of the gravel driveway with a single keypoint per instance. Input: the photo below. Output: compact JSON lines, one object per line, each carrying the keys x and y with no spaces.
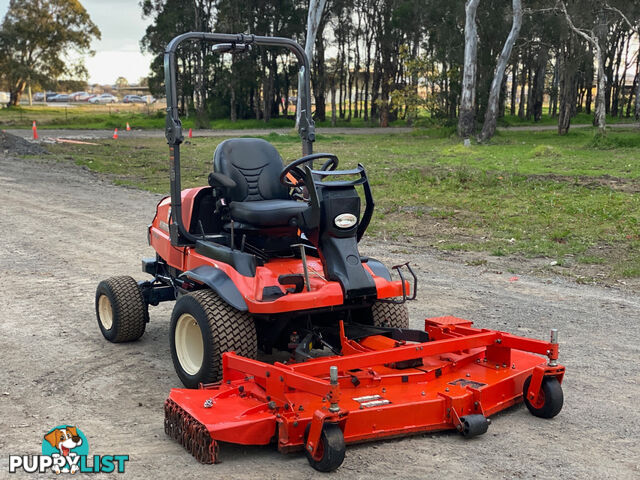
{"x":63,"y":229}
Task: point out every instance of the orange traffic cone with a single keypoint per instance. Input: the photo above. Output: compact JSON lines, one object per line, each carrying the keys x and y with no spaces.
{"x":190,"y":133}
{"x":115,"y":134}
{"x":35,"y":131}
{"x":128,"y":127}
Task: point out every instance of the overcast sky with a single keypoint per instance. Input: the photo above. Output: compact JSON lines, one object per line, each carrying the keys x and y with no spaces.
{"x":118,"y":53}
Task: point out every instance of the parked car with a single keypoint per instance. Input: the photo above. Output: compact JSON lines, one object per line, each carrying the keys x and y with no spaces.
{"x":149,"y":99}
{"x":104,"y":98}
{"x":4,"y":97}
{"x":38,"y":97}
{"x":63,"y":97}
{"x":74,"y":96}
{"x":133,"y":99}
{"x":85,"y":97}
{"x":50,"y":95}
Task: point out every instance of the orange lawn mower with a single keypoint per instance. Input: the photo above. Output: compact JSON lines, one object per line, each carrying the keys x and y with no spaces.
{"x":266,"y":258}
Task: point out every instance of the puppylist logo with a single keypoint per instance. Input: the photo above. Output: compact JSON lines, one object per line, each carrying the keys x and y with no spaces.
{"x":65,"y":449}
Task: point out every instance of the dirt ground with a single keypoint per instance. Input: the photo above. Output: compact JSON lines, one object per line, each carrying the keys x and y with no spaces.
{"x":63,"y":229}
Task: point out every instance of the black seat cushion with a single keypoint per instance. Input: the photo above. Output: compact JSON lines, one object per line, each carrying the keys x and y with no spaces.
{"x":255,"y":165}
{"x":266,"y":213}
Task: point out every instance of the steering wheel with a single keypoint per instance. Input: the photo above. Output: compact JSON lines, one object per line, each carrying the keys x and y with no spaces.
{"x":298,"y":173}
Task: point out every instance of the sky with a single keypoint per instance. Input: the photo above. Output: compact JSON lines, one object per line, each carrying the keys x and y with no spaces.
{"x":118,"y":53}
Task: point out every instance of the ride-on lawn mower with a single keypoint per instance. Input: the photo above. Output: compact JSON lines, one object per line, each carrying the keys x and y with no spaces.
{"x":266,"y":257}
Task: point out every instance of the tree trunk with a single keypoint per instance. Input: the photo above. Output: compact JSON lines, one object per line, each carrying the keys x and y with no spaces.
{"x":600,"y":119}
{"x":633,"y":89}
{"x":367,"y":78}
{"x":467,"y":117}
{"x":567,"y":86}
{"x":538,"y":84}
{"x":333,"y":103}
{"x":529,"y":103}
{"x":491,"y":116}
{"x":523,"y":84}
{"x":15,"y":92}
{"x":316,"y":7}
{"x":200,"y":90}
{"x":553,"y":105}
{"x":514,"y":86}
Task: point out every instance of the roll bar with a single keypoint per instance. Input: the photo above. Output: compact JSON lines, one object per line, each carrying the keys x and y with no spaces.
{"x":173,"y":130}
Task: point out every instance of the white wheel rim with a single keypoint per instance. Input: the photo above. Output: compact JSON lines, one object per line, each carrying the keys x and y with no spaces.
{"x":106,"y":312}
{"x":189,"y":344}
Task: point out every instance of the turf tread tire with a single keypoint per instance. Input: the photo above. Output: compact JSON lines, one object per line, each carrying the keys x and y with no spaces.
{"x":227,"y":329}
{"x":391,"y":315}
{"x":130,"y":311}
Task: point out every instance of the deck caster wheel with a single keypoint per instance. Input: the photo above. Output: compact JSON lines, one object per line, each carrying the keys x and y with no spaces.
{"x":550,"y":398}
{"x":203,"y":327}
{"x":473,"y":425}
{"x":330,"y":454}
{"x":121,"y":310}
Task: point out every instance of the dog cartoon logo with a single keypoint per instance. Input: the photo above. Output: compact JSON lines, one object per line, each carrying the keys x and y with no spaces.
{"x":67,"y":443}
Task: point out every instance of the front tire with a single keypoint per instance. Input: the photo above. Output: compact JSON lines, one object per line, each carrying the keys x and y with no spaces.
{"x":121,"y":310}
{"x":203,"y":327}
{"x":392,"y":315}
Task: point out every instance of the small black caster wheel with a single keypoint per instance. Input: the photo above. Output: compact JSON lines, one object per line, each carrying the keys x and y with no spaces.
{"x":550,"y":398}
{"x":473,"y":425}
{"x":330,"y":452}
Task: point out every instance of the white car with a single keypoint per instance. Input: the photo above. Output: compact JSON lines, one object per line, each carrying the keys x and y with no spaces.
{"x":104,"y":98}
{"x":4,"y":97}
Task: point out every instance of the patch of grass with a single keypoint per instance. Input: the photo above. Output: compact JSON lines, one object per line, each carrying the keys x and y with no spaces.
{"x":516,"y":195}
{"x":478,"y":262}
{"x":592,"y":260}
{"x":629,"y":269}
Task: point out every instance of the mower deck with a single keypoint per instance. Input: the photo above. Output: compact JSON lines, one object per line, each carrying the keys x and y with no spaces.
{"x":377,"y":388}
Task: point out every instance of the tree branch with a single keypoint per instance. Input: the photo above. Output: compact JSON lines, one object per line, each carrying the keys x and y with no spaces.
{"x":582,"y":33}
{"x":624,"y":17}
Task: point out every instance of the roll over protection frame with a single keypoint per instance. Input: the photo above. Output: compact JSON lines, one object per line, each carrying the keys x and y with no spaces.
{"x":173,"y":131}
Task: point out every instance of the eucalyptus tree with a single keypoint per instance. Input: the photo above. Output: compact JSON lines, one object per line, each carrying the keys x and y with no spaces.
{"x":34,"y":36}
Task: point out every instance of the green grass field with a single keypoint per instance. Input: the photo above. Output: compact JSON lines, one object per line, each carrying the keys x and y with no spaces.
{"x":534,"y":194}
{"x":83,"y":116}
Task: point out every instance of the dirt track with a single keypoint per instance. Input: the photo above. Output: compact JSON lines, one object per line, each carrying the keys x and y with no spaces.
{"x":63,"y":229}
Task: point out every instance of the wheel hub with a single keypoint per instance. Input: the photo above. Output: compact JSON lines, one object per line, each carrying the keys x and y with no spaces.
{"x":189,"y":344}
{"x":106,"y":312}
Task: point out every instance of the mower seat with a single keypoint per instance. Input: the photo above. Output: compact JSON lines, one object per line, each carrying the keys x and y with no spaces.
{"x":258,"y":199}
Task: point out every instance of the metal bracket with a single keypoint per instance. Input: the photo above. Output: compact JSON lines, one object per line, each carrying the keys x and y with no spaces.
{"x":398,"y":268}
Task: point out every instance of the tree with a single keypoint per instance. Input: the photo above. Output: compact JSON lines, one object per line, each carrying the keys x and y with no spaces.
{"x":35,"y":35}
{"x":121,"y":83}
{"x":467,"y":118}
{"x":594,"y":38}
{"x":491,"y":116}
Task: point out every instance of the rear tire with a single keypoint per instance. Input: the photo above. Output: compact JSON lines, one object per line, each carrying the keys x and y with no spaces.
{"x":121,"y":310}
{"x":203,"y":327}
{"x":391,"y":315}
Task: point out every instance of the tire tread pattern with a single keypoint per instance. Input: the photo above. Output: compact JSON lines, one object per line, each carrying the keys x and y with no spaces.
{"x":232,"y":330}
{"x":130,"y":312}
{"x":391,"y":315}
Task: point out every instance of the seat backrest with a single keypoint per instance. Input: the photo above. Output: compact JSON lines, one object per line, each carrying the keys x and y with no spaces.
{"x":255,"y":165}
